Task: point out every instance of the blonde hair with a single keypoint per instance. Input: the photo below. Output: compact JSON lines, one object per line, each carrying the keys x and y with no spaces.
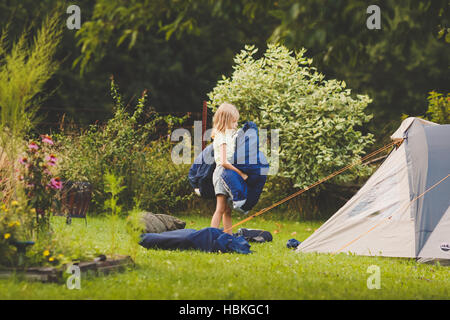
{"x":224,"y":117}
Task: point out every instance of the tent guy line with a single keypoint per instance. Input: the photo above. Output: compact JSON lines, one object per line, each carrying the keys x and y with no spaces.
{"x":397,"y":143}
{"x":389,"y":218}
{"x":410,"y":191}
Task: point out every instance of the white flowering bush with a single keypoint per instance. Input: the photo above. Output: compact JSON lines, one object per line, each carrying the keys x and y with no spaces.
{"x":318,"y":119}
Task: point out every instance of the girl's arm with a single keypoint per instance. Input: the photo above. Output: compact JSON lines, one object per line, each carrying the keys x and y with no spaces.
{"x":226,"y":165}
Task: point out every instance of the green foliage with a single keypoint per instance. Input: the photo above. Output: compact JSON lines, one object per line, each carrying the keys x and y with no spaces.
{"x":54,"y":252}
{"x":444,"y":33}
{"x":318,"y":203}
{"x":439,"y":107}
{"x":40,"y":181}
{"x":121,"y":21}
{"x":10,"y":148}
{"x":36,"y":195}
{"x":134,"y":228}
{"x":396,"y":66}
{"x":24,"y":71}
{"x":318,"y":119}
{"x":129,"y":145}
{"x":131,"y":18}
{"x":177,"y":72}
{"x":113,"y":185}
{"x":12,"y":219}
{"x":160,"y":184}
{"x":187,"y":275}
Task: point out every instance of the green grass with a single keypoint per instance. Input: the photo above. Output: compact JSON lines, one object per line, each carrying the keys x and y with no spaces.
{"x":271,"y":272}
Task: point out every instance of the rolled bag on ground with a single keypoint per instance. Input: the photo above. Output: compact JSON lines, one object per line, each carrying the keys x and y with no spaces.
{"x":247,"y":158}
{"x":206,"y":239}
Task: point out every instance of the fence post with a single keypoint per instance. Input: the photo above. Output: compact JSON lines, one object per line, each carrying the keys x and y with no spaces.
{"x":204,"y":120}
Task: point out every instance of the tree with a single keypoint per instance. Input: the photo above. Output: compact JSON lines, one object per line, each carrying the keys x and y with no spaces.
{"x":120,"y":20}
{"x":317,"y":118}
{"x":177,"y":65}
{"x":397,"y":65}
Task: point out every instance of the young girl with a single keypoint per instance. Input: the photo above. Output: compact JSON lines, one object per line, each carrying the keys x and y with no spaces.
{"x":224,"y":134}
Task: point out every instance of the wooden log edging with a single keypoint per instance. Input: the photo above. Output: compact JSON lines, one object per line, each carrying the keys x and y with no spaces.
{"x":97,"y":267}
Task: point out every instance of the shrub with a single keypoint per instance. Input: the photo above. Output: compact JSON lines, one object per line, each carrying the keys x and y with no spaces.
{"x":27,"y":209}
{"x":9,"y":231}
{"x":17,"y":221}
{"x":439,"y":107}
{"x":159,"y":184}
{"x":24,"y":71}
{"x":40,"y":180}
{"x":318,"y":119}
{"x":128,"y":146}
{"x":10,"y":147}
{"x":25,"y":68}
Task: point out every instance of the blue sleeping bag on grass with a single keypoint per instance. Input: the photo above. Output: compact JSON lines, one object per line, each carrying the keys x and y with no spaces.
{"x":247,"y":158}
{"x":206,"y":239}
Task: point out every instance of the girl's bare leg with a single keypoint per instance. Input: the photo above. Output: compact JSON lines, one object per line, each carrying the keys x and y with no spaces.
{"x":220,"y":210}
{"x":227,"y":220}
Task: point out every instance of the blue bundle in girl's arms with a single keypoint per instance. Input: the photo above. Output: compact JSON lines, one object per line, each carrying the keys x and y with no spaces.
{"x":247,"y":158}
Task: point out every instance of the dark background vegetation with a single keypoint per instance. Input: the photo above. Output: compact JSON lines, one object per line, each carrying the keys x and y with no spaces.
{"x":179,"y":49}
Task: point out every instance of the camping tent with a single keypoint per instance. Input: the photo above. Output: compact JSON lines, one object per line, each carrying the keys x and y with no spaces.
{"x":403,"y":210}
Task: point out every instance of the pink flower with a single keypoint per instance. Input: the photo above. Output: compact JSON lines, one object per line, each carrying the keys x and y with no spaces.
{"x":23,"y":160}
{"x":47,"y":139}
{"x":33,"y":146}
{"x":51,"y":160}
{"x":55,"y":183}
{"x":51,"y":157}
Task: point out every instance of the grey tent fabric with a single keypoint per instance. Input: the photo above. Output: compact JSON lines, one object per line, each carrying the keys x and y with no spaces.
{"x":390,"y":215}
{"x":437,"y":246}
{"x":383,"y":195}
{"x":428,"y":150}
{"x":400,"y":133}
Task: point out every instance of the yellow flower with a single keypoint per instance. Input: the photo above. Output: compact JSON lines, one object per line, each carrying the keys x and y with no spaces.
{"x":33,"y":210}
{"x":51,"y":259}
{"x":7,"y":235}
{"x":14,"y":203}
{"x":46,"y":253}
{"x":17,"y":223}
{"x":60,"y":256}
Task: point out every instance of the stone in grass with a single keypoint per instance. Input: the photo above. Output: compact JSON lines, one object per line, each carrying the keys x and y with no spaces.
{"x":157,"y":223}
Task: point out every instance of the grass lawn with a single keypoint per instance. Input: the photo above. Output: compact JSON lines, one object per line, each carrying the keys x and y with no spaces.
{"x":271,"y":272}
